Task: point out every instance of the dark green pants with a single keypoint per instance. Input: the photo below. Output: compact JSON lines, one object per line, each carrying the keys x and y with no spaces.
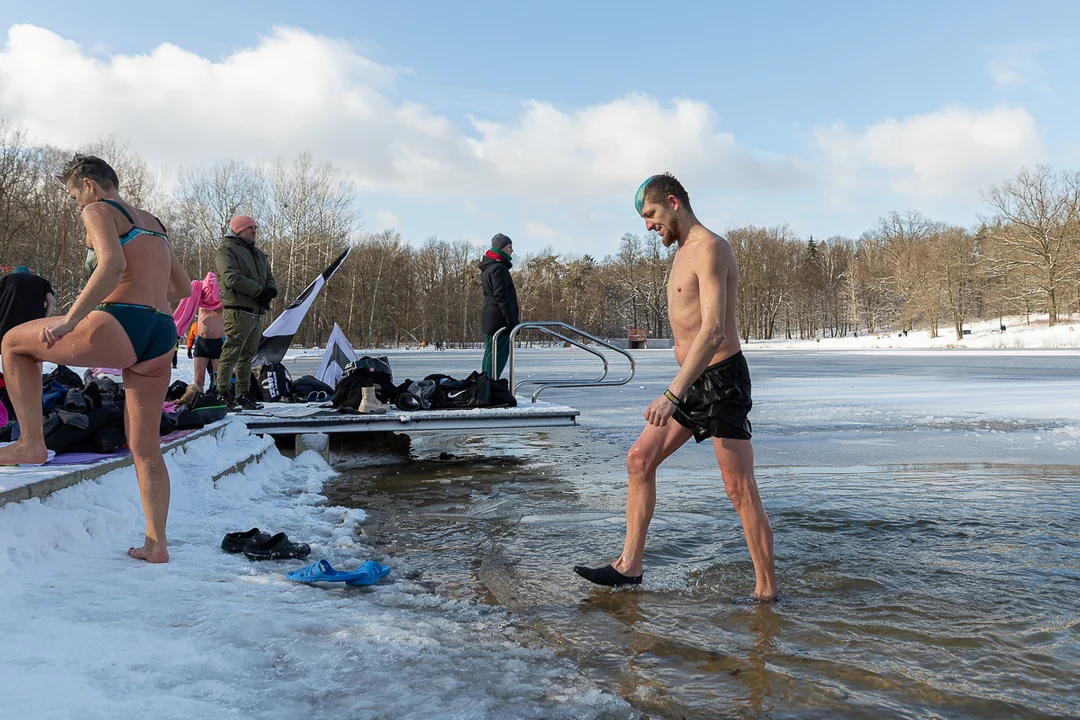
{"x":502,"y":353}
{"x":243,"y":330}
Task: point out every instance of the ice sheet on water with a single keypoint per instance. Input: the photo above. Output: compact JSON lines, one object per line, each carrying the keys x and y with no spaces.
{"x":90,"y":633}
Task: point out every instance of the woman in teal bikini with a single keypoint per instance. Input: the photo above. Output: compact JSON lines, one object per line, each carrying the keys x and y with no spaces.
{"x":121,"y":319}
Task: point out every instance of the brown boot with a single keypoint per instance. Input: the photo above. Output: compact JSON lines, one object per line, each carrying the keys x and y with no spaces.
{"x":369,"y":403}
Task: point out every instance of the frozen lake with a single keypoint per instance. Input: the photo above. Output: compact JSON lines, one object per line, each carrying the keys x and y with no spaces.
{"x":925,"y":506}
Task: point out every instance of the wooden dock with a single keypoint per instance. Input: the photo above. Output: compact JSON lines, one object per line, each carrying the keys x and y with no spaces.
{"x":292,"y":419}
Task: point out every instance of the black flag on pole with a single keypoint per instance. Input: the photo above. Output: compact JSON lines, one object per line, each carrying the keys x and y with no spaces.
{"x":277,"y":338}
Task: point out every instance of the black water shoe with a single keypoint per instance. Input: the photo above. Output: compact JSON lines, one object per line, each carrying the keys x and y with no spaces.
{"x":278,"y":547}
{"x":607,"y":576}
{"x":238,"y":542}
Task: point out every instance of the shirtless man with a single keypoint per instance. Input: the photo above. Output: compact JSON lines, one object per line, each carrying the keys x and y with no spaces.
{"x":208,"y":344}
{"x":710,"y":395}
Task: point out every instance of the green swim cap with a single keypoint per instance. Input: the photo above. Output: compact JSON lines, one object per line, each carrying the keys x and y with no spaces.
{"x":639,"y":198}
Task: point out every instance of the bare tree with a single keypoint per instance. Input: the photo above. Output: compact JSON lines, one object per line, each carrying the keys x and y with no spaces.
{"x":206,"y":199}
{"x":1035,"y":230}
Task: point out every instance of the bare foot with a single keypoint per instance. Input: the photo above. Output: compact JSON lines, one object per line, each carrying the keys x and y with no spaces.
{"x":762,"y":598}
{"x":20,"y":452}
{"x":150,"y":552}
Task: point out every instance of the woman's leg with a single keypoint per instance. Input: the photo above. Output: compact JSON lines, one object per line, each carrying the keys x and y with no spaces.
{"x":145,"y":385}
{"x":98,"y":341}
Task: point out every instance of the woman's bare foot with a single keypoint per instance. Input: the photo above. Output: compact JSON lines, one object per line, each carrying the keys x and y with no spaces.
{"x":762,"y":598}
{"x":152,"y":552}
{"x":21,"y":452}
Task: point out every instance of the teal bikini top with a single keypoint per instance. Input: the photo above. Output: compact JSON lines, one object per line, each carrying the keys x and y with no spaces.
{"x":134,"y":232}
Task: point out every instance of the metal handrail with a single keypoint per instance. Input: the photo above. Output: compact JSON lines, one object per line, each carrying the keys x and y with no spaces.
{"x":546,"y":327}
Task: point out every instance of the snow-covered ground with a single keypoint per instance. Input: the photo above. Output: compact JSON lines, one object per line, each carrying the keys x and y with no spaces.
{"x":90,"y":633}
{"x":1018,"y":335}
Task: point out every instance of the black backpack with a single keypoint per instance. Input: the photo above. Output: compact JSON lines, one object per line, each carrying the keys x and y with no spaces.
{"x":274,"y":382}
{"x":176,"y":390}
{"x":365,"y":372}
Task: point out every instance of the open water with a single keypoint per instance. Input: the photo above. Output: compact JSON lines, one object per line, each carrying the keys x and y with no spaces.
{"x":926,"y":510}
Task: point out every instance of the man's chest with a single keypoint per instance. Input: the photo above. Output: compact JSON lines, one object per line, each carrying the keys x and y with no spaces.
{"x":682,"y":284}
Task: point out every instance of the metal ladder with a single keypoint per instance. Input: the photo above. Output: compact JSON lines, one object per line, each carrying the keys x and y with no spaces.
{"x":548,"y":328}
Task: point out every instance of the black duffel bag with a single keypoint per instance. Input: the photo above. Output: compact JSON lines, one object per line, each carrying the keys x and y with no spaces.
{"x":311,"y":388}
{"x":475,"y":391}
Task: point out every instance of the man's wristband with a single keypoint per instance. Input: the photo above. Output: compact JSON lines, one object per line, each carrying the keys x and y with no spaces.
{"x":674,"y":400}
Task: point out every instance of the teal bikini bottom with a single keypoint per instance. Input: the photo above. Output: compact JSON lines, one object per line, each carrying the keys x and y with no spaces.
{"x":152,"y":333}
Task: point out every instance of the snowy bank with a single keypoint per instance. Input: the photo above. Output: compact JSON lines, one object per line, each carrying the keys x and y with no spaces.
{"x":985,"y":334}
{"x":90,"y":633}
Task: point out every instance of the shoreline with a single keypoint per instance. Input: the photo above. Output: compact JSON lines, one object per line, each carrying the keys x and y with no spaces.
{"x":1019,"y":336}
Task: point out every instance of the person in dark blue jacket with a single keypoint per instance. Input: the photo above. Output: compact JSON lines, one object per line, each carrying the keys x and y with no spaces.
{"x":500,"y":302}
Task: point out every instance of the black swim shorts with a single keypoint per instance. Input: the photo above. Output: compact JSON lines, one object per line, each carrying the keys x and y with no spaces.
{"x":208,"y":348}
{"x":718,"y":402}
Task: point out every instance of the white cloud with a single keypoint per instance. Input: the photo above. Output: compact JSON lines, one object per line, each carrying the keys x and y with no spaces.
{"x":541,"y":233}
{"x":576,"y":168}
{"x":947,"y":155}
{"x":1016,"y":64}
{"x":295,"y":92}
{"x":385,"y":220}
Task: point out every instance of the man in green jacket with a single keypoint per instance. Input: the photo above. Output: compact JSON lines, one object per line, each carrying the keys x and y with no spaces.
{"x":247,"y":288}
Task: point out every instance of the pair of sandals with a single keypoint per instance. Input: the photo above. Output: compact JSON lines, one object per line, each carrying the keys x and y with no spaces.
{"x":258,"y":545}
{"x":367,"y":573}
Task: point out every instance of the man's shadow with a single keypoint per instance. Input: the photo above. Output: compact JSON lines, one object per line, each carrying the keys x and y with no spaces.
{"x":642,"y":646}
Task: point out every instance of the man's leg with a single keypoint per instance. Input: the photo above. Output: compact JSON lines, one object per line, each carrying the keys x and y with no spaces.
{"x":145,"y":385}
{"x":253,"y":326}
{"x":653,"y":446}
{"x":200,"y":371}
{"x":502,"y":345}
{"x":485,"y":367}
{"x":736,"y":460}
{"x":231,"y":351}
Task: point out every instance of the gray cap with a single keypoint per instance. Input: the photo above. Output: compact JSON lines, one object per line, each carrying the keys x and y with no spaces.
{"x":500,"y":241}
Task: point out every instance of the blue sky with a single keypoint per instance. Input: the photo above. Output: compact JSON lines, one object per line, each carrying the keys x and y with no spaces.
{"x":540,"y":119}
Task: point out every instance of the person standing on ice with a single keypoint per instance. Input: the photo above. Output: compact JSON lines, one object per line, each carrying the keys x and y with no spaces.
{"x":247,"y":288}
{"x":500,"y":302}
{"x":121,"y":319}
{"x":709,"y":396}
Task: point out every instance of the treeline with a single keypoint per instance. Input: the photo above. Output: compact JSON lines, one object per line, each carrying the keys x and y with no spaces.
{"x":911,"y":272}
{"x":906,"y":272}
